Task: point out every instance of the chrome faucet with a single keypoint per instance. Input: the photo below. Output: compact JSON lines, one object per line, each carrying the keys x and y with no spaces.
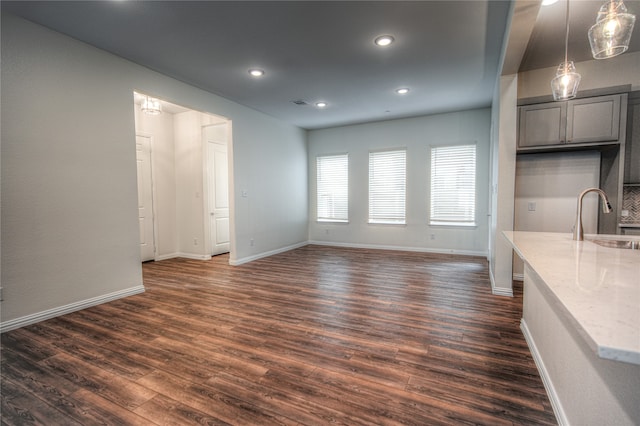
{"x":578,"y":232}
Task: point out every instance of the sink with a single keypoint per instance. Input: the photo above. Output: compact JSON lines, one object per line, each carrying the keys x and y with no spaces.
{"x":621,"y":244}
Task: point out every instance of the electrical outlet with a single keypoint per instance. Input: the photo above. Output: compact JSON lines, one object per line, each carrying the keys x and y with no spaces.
{"x":251,"y":242}
{"x":432,"y":236}
{"x":326,"y":232}
{"x":531,"y":206}
{"x":1,"y":298}
{"x":195,"y":241}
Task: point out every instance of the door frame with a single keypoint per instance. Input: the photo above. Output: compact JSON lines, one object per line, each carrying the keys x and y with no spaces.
{"x":208,"y":244}
{"x":153,"y":191}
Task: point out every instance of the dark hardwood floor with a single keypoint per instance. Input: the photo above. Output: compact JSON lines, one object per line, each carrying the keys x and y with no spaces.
{"x":313,"y":336}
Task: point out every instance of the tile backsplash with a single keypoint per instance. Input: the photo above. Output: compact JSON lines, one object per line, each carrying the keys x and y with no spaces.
{"x":631,"y":203}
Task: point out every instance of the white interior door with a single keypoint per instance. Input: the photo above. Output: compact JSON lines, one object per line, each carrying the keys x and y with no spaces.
{"x":145,"y":197}
{"x":218,"y":188}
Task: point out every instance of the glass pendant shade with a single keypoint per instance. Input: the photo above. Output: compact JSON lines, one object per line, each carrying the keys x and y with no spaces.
{"x":565,"y":84}
{"x":611,"y":33}
{"x":151,"y":106}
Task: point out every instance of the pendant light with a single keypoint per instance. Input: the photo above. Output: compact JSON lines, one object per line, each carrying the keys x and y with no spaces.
{"x":565,"y":84}
{"x":611,"y":33}
{"x":151,"y":106}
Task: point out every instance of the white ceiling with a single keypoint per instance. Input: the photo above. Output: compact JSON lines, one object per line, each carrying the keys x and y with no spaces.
{"x":446,"y":52}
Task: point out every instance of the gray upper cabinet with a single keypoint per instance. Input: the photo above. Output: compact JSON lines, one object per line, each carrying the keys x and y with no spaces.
{"x":542,"y":124}
{"x":562,"y":125}
{"x":593,"y":119}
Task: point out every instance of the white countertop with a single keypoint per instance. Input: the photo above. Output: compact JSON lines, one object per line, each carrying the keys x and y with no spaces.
{"x":597,"y":288}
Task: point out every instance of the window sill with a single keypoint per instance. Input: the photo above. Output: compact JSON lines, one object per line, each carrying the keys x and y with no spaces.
{"x":453,"y":224}
{"x":381,"y":222}
{"x":332,"y":221}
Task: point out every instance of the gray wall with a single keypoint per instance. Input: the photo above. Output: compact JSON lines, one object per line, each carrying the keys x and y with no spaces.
{"x":416,"y":135}
{"x":552,"y":182}
{"x":69,"y":199}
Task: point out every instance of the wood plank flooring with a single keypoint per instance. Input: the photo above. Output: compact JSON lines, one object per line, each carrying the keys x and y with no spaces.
{"x":314,"y":336}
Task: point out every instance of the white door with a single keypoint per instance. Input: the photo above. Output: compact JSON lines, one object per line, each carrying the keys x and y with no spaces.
{"x":145,"y":197}
{"x":218,"y":171}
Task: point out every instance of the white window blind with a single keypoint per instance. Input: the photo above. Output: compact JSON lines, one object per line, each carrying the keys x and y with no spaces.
{"x":332,"y":173}
{"x":453,"y":185}
{"x":387,"y":186}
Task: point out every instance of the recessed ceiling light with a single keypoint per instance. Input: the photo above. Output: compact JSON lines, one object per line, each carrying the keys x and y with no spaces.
{"x":548,"y":2}
{"x":383,"y":40}
{"x":255,"y":72}
{"x":402,"y":91}
{"x":321,"y":104}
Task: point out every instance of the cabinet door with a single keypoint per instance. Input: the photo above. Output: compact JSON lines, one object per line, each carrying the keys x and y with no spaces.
{"x":632,"y":156}
{"x":541,"y":124}
{"x":593,"y":119}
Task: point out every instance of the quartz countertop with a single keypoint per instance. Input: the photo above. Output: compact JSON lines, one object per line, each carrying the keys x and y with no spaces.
{"x":597,"y":288}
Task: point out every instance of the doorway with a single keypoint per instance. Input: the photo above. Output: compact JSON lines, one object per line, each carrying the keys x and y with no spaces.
{"x":216,"y":138}
{"x":145,"y":197}
{"x":183,"y":158}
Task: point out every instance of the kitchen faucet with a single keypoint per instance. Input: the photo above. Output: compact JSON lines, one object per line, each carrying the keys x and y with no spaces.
{"x":578,"y":232}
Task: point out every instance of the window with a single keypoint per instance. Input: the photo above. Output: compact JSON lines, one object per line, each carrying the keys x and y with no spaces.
{"x":332,"y":173}
{"x":387,"y":186}
{"x":453,"y":185}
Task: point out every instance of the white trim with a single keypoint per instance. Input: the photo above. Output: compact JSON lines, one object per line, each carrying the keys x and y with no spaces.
{"x":166,"y":256}
{"x":194,"y":256}
{"x":518,"y":277}
{"x":206,"y":214}
{"x":498,"y":291}
{"x":154,"y":208}
{"x":185,"y":255}
{"x":401,"y":248}
{"x":248,"y":259}
{"x":67,"y":309}
{"x":561,"y":417}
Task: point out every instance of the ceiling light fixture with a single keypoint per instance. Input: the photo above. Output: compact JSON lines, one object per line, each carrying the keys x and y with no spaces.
{"x":402,"y":91}
{"x":321,"y":104}
{"x":565,"y":84}
{"x":611,"y":33}
{"x":255,"y":72}
{"x":383,"y":40}
{"x":549,"y":2}
{"x":151,"y":106}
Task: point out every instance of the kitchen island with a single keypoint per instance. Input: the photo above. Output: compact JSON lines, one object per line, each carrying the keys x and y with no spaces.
{"x":581,"y":319}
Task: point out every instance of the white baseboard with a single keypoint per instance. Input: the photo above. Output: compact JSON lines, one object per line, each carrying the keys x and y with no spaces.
{"x":67,"y":309}
{"x":561,"y":418}
{"x":401,"y":248}
{"x":165,"y":257}
{"x":236,"y":262}
{"x":194,"y":256}
{"x":498,"y":291}
{"x":185,"y":255}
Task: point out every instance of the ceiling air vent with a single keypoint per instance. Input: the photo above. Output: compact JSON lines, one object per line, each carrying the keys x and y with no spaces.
{"x":300,"y":102}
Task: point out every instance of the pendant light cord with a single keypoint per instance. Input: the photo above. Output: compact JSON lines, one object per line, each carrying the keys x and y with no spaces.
{"x":566,"y":37}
